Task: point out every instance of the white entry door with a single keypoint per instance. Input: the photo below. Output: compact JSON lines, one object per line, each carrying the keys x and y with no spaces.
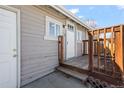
{"x":70,"y":42}
{"x":8,"y":60}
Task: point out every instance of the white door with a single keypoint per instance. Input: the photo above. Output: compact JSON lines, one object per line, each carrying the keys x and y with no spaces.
{"x":70,"y":43}
{"x":8,"y":60}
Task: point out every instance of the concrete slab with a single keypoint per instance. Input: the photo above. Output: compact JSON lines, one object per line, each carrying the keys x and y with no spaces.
{"x":56,"y":80}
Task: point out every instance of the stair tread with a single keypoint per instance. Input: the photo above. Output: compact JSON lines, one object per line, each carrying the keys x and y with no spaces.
{"x":72,"y":73}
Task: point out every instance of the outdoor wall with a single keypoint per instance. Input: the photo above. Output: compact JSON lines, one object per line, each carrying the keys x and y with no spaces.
{"x":80,"y":44}
{"x":38,"y":56}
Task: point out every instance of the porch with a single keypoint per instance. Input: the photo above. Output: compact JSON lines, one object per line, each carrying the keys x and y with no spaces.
{"x":80,"y":62}
{"x":104,"y":60}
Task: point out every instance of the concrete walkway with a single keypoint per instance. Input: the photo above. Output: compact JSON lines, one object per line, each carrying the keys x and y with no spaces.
{"x":56,"y":80}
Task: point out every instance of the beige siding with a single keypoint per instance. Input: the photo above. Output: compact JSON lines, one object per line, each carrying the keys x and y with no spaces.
{"x":79,"y":49}
{"x":80,"y":44}
{"x":38,"y":56}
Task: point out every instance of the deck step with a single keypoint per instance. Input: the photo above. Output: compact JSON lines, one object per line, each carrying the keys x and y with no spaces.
{"x":72,"y":73}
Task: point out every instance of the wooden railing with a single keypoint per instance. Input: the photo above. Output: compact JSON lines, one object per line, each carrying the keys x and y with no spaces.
{"x":60,"y":49}
{"x":109,"y":58}
{"x":108,"y":52}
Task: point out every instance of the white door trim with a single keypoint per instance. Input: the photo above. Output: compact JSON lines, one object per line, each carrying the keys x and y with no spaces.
{"x":17,"y":11}
{"x":71,"y":23}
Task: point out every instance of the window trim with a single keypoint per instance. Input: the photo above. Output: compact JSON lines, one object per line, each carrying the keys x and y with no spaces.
{"x":46,"y":35}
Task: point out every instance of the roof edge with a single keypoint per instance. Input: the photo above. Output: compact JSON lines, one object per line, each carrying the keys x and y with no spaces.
{"x":70,"y":15}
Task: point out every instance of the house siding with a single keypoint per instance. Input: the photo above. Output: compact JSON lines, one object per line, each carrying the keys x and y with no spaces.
{"x":80,"y":44}
{"x":79,"y":49}
{"x":38,"y":56}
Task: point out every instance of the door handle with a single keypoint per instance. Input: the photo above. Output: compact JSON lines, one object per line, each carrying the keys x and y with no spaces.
{"x":14,"y":55}
{"x":14,"y":50}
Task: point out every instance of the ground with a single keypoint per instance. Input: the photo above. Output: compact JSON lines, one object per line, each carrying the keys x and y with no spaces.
{"x":56,"y":80}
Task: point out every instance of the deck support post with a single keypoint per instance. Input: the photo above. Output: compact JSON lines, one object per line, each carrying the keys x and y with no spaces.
{"x":83,"y":47}
{"x":122,"y":48}
{"x":98,"y":49}
{"x":122,"y":28}
{"x":90,"y":52}
{"x":60,"y":49}
{"x":112,"y":51}
{"x":105,"y":49}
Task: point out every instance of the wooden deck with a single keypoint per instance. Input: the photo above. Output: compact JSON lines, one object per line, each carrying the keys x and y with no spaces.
{"x":105,"y":59}
{"x":80,"y":62}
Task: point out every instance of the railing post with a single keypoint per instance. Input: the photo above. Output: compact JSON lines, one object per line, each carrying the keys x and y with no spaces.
{"x":122,"y":28}
{"x":122,"y":50}
{"x":83,"y":47}
{"x":105,"y":50}
{"x":60,"y":49}
{"x":98,"y":49}
{"x":90,"y":52}
{"x":112,"y":51}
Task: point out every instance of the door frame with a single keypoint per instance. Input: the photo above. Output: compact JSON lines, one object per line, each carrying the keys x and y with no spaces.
{"x":18,"y":43}
{"x":71,"y":23}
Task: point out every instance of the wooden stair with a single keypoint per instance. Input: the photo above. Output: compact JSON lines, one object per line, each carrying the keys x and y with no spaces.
{"x":72,"y":73}
{"x":89,"y":81}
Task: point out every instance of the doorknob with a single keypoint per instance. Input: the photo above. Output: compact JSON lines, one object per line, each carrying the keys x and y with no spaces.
{"x":14,"y":55}
{"x":14,"y":50}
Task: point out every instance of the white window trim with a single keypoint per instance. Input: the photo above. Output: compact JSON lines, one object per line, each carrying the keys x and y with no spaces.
{"x":47,"y":36}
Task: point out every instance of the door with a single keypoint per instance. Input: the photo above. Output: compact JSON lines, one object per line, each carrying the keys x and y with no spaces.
{"x":8,"y":60}
{"x":70,"y":42}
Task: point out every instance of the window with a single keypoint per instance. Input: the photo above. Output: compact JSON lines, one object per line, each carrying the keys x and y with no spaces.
{"x":79,"y":35}
{"x":53,"y":29}
{"x":70,"y":27}
{"x":57,"y":30}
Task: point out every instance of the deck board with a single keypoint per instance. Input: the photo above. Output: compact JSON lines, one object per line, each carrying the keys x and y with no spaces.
{"x":81,"y":62}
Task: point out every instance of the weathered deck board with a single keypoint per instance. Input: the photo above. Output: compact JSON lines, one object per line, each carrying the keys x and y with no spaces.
{"x":81,"y":62}
{"x":73,"y":73}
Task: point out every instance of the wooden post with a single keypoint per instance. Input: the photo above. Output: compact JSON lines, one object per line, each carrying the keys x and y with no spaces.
{"x":122,"y":51}
{"x":105,"y":49}
{"x":95,"y":48}
{"x":90,"y":52}
{"x":83,"y":47}
{"x":60,"y":49}
{"x":98,"y":50}
{"x":112,"y":51}
{"x":122,"y":28}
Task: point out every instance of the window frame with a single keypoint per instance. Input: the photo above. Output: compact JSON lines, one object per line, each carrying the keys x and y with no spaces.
{"x":47,"y":35}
